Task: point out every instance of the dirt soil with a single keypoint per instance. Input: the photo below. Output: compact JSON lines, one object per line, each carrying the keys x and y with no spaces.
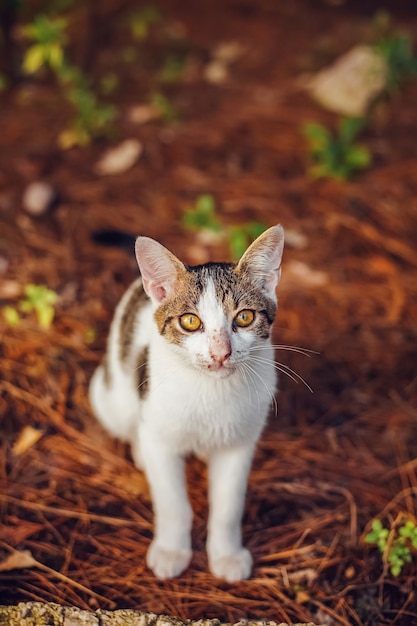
{"x":330,"y":461}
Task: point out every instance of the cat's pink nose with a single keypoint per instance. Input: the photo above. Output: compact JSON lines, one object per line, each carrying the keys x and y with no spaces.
{"x":220,"y":348}
{"x":220,"y":357}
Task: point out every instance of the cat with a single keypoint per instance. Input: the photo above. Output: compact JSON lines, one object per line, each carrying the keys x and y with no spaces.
{"x":189,"y":369}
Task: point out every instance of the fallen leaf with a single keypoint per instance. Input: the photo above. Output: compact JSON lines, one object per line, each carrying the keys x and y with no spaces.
{"x":27,"y":438}
{"x":18,"y":559}
{"x":302,"y":597}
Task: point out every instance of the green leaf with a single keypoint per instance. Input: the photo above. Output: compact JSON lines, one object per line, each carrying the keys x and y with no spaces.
{"x":34,"y":59}
{"x":172,"y":69}
{"x":45,"y":315}
{"x":255,"y":229}
{"x":358,"y":156}
{"x":164,"y":107}
{"x":202,"y":215}
{"x":11,"y":315}
{"x":318,"y":136}
{"x":238,"y":240}
{"x":349,"y":128}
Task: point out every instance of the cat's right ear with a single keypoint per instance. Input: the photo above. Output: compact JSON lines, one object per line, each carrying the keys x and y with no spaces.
{"x":159,"y":269}
{"x":262,"y":260}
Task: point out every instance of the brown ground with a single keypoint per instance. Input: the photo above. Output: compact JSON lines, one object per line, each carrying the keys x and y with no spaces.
{"x":330,"y":461}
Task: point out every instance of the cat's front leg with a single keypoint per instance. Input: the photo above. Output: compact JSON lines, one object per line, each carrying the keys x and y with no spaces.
{"x":170,"y":551}
{"x":228,"y":473}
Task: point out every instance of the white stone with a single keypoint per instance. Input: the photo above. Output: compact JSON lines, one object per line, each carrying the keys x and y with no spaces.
{"x":38,"y":197}
{"x":352,"y":83}
{"x":119,"y":159}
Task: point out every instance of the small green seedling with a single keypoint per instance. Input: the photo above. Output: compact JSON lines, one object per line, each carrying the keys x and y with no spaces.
{"x":172,"y":69}
{"x":11,"y":315}
{"x":336,"y":155}
{"x":41,"y":300}
{"x":165,"y":109}
{"x":397,"y":51}
{"x":240,"y":237}
{"x":396,"y":545}
{"x":202,"y":215}
{"x":92,"y":119}
{"x":49,"y":38}
{"x":141,"y":21}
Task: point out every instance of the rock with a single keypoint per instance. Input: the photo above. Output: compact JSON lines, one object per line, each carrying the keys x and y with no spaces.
{"x":143,"y":113}
{"x":223,"y":55}
{"x":38,"y":198}
{"x":51,"y":614}
{"x":119,"y":159}
{"x":297,"y":273}
{"x":352,"y":83}
{"x":216,"y":71}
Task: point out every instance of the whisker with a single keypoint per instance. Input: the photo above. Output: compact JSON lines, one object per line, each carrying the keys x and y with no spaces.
{"x":298,"y":349}
{"x":285,"y":369}
{"x":248,"y":381}
{"x":268,"y":390}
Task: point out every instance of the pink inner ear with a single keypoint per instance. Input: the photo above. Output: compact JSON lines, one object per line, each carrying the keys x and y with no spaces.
{"x":159,"y":292}
{"x":155,"y":291}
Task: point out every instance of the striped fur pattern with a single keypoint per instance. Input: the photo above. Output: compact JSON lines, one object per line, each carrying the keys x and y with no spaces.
{"x":189,"y":369}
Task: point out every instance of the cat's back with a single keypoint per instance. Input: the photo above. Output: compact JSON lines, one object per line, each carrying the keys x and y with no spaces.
{"x":121,"y":379}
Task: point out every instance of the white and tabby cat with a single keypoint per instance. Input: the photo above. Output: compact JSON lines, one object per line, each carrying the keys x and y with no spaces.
{"x":189,"y":369}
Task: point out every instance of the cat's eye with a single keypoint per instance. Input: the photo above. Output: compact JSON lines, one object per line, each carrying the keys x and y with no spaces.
{"x":244,"y":318}
{"x":190,"y":322}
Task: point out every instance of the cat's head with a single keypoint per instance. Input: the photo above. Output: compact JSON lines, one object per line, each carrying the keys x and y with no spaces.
{"x":215,"y":313}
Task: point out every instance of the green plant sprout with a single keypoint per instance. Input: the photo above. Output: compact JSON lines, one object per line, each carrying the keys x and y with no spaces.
{"x":173,"y":68}
{"x":49,"y":38}
{"x":395,"y":545}
{"x":39,"y":299}
{"x":141,"y":21}
{"x":336,"y":155}
{"x":396,"y":49}
{"x":165,"y":109}
{"x":11,"y":315}
{"x":240,"y":237}
{"x":202,"y":216}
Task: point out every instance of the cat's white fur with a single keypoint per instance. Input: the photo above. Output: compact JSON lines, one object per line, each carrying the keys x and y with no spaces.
{"x":201,"y":400}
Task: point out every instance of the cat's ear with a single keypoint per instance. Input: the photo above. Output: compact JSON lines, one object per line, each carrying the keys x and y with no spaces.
{"x":262,"y":260}
{"x":159,"y":268}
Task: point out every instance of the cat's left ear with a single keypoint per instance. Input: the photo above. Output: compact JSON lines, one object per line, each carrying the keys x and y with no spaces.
{"x":160,"y":269}
{"x":262,"y":260}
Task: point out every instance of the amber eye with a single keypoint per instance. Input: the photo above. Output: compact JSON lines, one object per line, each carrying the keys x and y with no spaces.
{"x":244,"y":318}
{"x":190,"y":322}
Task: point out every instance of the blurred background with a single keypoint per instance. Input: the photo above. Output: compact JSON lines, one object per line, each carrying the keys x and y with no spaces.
{"x":202,"y":124}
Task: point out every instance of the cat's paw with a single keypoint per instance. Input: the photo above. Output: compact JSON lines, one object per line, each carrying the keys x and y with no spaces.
{"x":233,"y":567}
{"x":167,"y":563}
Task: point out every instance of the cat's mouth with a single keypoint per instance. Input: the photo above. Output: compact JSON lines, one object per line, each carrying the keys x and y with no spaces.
{"x":220,"y":370}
